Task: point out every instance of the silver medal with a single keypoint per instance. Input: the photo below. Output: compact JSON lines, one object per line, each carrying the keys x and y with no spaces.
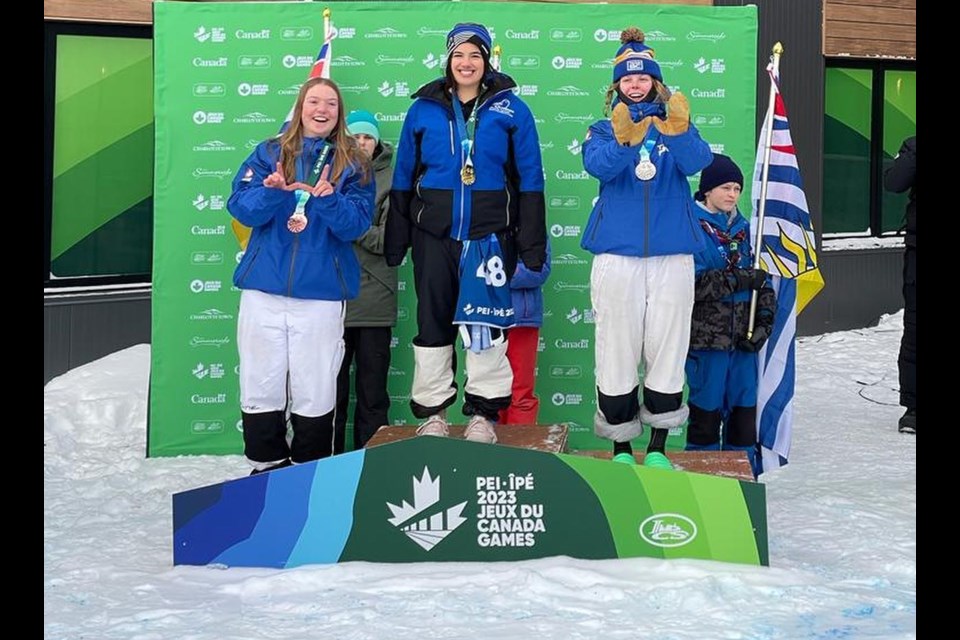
{"x":645,"y":170}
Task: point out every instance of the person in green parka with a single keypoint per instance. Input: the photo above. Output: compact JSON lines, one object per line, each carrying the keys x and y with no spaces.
{"x":371,"y":315}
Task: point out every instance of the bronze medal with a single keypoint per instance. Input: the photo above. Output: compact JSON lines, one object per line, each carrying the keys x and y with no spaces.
{"x":297,"y":222}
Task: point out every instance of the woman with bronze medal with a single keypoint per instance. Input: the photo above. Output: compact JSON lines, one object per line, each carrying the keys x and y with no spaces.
{"x":643,"y":234}
{"x":306,"y":194}
{"x":467,"y":198}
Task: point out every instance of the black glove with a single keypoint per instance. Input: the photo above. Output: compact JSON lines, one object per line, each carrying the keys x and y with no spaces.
{"x":748,"y":279}
{"x":756,"y":342}
{"x":394,"y":259}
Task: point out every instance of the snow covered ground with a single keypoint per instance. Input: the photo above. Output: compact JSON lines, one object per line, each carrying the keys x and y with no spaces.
{"x":842,"y":526}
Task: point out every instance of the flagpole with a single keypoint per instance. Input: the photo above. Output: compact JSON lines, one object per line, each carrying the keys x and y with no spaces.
{"x":764,"y":176}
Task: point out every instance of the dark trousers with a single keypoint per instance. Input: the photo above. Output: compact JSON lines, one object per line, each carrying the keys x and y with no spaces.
{"x":907,"y":361}
{"x":436,"y":278}
{"x":370,"y":347}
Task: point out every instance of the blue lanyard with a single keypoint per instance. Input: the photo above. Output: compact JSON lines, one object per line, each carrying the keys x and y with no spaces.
{"x":465,"y":129}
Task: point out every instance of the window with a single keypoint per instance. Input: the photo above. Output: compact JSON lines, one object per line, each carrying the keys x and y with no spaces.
{"x":98,"y":154}
{"x":869,"y":108}
{"x":899,"y":123}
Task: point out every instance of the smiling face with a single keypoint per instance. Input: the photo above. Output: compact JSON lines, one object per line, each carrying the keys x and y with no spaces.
{"x":636,"y":86}
{"x":320,"y":111}
{"x":722,"y":197}
{"x":466,"y":65}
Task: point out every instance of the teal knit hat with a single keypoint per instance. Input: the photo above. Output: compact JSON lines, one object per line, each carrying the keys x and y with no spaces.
{"x":363,"y":122}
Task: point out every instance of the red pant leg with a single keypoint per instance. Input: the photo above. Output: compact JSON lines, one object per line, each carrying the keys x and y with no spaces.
{"x":522,"y":354}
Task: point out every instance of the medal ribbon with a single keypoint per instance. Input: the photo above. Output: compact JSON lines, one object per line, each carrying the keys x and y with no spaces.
{"x":304,"y":196}
{"x":647,"y":147}
{"x":465,"y":129}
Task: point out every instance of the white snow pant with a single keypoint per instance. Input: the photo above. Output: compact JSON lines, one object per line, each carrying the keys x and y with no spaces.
{"x":280,"y":337}
{"x":488,"y":388}
{"x":643,"y":309}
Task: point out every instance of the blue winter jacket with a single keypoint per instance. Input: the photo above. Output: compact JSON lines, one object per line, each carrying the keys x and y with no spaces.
{"x":634,"y":217}
{"x":717,"y":254}
{"x":526,"y":290}
{"x":317,"y":264}
{"x":507,"y":196}
{"x":721,"y":307}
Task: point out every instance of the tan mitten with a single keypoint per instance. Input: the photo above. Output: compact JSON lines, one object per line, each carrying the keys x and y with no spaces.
{"x":678,"y":116}
{"x":625,"y":129}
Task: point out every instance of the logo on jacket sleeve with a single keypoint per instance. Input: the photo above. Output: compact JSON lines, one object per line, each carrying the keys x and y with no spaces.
{"x":503,"y":106}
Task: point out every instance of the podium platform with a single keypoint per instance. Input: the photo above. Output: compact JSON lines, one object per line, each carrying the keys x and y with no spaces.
{"x":553,"y":439}
{"x":728,"y":464}
{"x":416,"y":499}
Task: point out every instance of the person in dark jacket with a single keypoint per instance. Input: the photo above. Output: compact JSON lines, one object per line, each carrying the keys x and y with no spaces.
{"x":372,"y":314}
{"x":307,"y":195}
{"x":722,"y":363}
{"x":526,"y":289}
{"x":902,"y":176}
{"x":643,"y":234}
{"x":467,"y":198}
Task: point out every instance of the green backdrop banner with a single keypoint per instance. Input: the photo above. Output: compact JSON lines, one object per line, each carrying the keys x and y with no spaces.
{"x":226,"y":75}
{"x":103,"y":129}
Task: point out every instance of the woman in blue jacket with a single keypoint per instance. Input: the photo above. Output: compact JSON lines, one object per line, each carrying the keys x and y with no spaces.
{"x":643,"y":233}
{"x":307,"y":194}
{"x":467,"y":198}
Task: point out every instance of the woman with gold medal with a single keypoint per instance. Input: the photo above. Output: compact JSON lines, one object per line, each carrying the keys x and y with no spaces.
{"x":643,"y":234}
{"x":467,"y":199}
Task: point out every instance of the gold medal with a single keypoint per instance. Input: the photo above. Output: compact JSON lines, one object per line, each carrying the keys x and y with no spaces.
{"x":645,"y":170}
{"x":297,"y":222}
{"x":467,"y":176}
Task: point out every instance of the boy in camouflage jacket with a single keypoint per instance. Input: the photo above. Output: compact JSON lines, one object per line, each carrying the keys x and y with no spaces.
{"x":722,"y":363}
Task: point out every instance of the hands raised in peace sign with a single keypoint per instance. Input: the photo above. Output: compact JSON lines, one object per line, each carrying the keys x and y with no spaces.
{"x":277,"y":180}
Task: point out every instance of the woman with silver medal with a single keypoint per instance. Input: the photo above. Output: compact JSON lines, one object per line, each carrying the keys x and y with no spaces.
{"x":643,"y":235}
{"x":305,"y":195}
{"x":467,"y":200}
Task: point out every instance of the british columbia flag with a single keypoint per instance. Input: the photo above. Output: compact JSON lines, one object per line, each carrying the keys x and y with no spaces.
{"x":788,"y":252}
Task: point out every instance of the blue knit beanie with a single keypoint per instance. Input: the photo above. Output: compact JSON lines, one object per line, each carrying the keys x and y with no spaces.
{"x":470,"y":32}
{"x":634,"y":57}
{"x":721,"y":171}
{"x":363,"y":122}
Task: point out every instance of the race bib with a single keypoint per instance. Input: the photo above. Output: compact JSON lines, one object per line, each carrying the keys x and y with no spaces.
{"x":484,"y":285}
